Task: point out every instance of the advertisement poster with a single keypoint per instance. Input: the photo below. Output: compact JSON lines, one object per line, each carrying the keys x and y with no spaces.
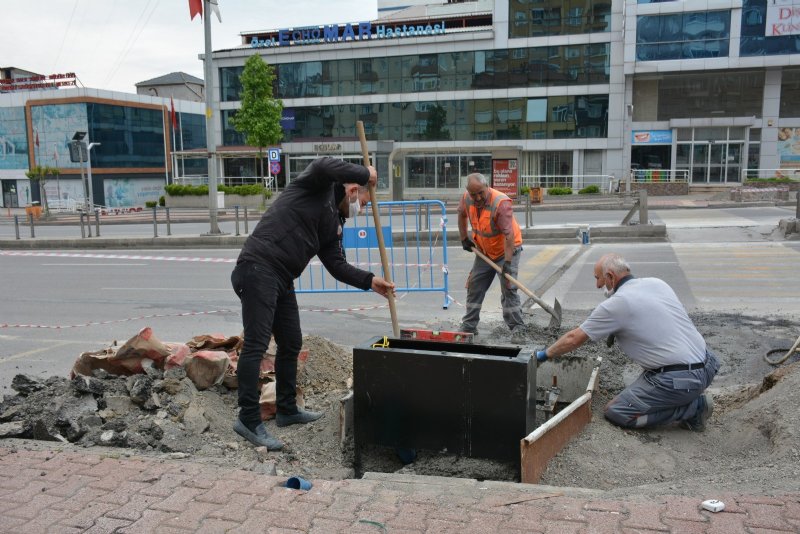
{"x":789,"y":152}
{"x":132,"y":192}
{"x":505,"y":176}
{"x":783,"y":18}
{"x":651,"y":137}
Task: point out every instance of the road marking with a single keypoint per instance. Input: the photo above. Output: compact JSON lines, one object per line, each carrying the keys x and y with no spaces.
{"x":138,"y":289}
{"x":34,"y":351}
{"x":94,"y":264}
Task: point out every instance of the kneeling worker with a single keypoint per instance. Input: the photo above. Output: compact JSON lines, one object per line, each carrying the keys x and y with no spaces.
{"x":654,"y":330}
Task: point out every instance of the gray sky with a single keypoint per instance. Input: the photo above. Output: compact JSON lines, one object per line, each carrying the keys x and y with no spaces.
{"x":113,"y":44}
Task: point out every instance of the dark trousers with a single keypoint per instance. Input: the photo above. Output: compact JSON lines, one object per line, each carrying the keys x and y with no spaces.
{"x":269,"y":308}
{"x":656,"y":399}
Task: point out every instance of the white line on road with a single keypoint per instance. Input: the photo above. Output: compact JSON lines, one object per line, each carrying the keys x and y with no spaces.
{"x":94,"y":264}
{"x":35,"y":351}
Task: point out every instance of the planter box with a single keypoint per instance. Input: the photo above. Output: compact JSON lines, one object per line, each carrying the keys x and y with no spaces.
{"x":36,"y":211}
{"x":229,"y":201}
{"x":655,"y":189}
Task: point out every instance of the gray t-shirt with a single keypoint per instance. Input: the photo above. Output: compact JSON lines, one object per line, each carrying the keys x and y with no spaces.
{"x":650,"y":324}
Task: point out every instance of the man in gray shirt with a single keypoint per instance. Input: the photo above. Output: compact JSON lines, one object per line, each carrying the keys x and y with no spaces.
{"x":654,"y":330}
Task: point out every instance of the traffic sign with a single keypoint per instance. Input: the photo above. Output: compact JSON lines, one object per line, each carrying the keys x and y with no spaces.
{"x":274,"y":167}
{"x":274,"y":154}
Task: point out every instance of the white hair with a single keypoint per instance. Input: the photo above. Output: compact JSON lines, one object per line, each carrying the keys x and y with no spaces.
{"x":477,"y":177}
{"x":614,"y":263}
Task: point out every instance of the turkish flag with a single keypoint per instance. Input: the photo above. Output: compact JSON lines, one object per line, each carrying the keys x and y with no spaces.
{"x":173,"y":117}
{"x":195,"y":8}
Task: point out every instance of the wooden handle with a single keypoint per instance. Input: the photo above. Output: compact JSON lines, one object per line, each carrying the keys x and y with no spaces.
{"x":546,"y":307}
{"x":387,"y":274}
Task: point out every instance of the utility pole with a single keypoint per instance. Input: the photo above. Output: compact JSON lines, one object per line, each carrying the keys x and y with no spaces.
{"x":210,"y":144}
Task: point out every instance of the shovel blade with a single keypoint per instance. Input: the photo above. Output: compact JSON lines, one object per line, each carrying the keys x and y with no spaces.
{"x":555,"y":319}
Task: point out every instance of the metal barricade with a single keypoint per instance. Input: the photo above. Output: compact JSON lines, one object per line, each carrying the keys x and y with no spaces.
{"x":416,"y":248}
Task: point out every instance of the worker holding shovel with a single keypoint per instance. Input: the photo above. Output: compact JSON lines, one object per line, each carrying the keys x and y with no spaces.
{"x":305,"y":221}
{"x":496,"y":234}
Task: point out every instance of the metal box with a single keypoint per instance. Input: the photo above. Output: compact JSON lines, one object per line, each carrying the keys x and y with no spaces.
{"x":471,"y":400}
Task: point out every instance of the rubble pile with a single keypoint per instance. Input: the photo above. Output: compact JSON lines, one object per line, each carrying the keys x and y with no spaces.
{"x":154,"y":396}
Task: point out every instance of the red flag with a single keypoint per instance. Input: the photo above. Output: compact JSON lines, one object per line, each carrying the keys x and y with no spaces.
{"x":173,"y":117}
{"x":195,"y":8}
{"x":37,"y":139}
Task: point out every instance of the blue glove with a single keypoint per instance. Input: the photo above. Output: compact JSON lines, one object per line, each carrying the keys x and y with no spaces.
{"x":541,"y":355}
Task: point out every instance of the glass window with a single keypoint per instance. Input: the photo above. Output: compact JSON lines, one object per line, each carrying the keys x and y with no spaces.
{"x":230,"y":136}
{"x":721,"y":94}
{"x":129,"y":136}
{"x":754,"y":41}
{"x":230,"y":85}
{"x":690,"y":35}
{"x":558,"y":17}
{"x":790,"y":93}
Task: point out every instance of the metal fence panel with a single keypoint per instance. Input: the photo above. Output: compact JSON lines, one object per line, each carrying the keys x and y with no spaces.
{"x":415,"y":234}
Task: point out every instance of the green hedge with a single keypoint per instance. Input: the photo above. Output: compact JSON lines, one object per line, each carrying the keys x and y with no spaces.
{"x":782,"y":180}
{"x":589,"y":190}
{"x":177,"y":190}
{"x":559,"y":191}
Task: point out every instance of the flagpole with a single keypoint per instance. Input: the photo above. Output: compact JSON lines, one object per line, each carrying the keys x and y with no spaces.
{"x":210,"y":144}
{"x":172,"y":127}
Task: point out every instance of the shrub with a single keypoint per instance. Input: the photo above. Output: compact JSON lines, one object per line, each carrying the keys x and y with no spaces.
{"x":589,"y":190}
{"x":524,"y":190}
{"x":559,"y":191}
{"x":162,"y":201}
{"x":775,"y":180}
{"x":150,"y":204}
{"x":178,"y":190}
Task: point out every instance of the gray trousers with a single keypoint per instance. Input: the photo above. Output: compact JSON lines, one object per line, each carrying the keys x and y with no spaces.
{"x":478,"y":283}
{"x":660,"y":398}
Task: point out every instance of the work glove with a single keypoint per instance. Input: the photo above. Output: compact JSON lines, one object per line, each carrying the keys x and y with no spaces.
{"x":507,"y":269}
{"x":467,"y":244}
{"x":541,"y":355}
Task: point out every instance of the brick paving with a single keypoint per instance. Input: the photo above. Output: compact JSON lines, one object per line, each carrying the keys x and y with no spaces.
{"x":65,"y":491}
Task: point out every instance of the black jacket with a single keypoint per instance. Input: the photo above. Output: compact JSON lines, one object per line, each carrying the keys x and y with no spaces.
{"x":304,"y":222}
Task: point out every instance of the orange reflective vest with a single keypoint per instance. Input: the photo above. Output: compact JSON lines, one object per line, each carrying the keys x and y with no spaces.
{"x":485,"y":232}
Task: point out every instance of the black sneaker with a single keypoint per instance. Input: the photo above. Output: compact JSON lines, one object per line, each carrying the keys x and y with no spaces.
{"x":705,"y":408}
{"x":300,"y":418}
{"x":258,"y":437}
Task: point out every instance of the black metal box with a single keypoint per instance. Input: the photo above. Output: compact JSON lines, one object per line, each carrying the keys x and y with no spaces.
{"x":477,"y":401}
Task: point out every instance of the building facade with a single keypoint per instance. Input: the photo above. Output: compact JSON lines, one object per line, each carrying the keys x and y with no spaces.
{"x":131,"y":164}
{"x":552,"y":92}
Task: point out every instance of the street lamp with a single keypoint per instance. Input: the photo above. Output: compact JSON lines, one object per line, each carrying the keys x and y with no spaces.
{"x":80,"y":151}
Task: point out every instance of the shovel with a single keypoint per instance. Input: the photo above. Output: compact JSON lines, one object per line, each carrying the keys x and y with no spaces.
{"x":555,"y":310}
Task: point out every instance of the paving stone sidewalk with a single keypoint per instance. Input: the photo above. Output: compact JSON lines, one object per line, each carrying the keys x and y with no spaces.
{"x":69,"y":492}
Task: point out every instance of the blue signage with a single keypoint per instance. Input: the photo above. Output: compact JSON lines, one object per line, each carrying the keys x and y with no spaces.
{"x":365,"y":237}
{"x":360,"y":31}
{"x":651,"y":137}
{"x":287,"y":119}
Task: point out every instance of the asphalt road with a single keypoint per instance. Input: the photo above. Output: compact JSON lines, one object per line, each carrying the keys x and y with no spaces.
{"x":56,"y":305}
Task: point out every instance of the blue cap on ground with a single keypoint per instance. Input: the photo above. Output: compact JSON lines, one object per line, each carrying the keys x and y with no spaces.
{"x":541,"y":355}
{"x":298,"y":483}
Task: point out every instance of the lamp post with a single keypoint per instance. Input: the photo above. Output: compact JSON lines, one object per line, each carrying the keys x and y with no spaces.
{"x":210,"y":144}
{"x":89,"y":148}
{"x":80,"y":151}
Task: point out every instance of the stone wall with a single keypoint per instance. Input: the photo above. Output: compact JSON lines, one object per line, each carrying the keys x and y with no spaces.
{"x":656,"y":189}
{"x":749,"y":194}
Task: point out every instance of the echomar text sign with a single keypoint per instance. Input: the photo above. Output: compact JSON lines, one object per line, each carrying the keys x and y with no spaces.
{"x":360,"y":31}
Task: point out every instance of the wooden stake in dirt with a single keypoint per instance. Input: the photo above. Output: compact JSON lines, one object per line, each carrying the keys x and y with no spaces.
{"x":387,"y":274}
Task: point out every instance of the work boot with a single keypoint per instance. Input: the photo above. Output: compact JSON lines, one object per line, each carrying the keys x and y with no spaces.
{"x":467,"y":330}
{"x":259,"y":437}
{"x":705,"y":408}
{"x":300,"y":418}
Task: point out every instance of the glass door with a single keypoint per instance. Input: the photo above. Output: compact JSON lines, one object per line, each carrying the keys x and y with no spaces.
{"x":700,"y":155}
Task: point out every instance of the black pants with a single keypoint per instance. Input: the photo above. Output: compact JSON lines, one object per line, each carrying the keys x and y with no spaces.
{"x":269,"y":308}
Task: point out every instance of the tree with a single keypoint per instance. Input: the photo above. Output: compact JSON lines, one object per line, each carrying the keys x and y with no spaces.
{"x":259,"y":118}
{"x":40,"y":174}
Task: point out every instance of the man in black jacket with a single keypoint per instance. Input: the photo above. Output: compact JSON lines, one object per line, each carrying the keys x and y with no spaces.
{"x":305,"y":221}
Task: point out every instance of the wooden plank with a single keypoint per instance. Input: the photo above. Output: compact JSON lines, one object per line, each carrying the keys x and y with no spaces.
{"x":546,"y":441}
